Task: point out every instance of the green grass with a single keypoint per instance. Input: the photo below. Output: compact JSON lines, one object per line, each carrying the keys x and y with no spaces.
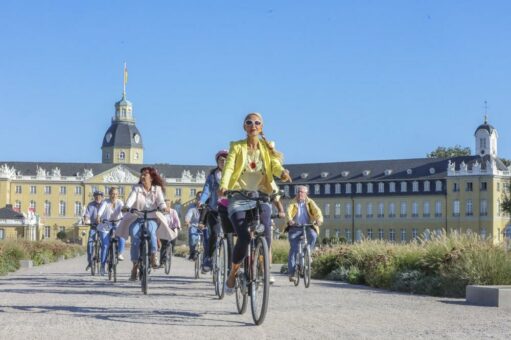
{"x":40,"y":252}
{"x":442,"y":266}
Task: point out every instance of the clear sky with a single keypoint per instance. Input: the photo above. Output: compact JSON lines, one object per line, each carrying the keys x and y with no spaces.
{"x":334,"y":80}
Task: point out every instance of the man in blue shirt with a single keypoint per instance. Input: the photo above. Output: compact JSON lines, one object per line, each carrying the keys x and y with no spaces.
{"x":91,"y":217}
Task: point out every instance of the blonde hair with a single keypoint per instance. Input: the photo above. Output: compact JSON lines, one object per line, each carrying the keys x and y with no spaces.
{"x":269,"y":145}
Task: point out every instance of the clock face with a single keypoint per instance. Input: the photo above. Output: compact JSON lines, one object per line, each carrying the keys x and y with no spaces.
{"x":136,"y":138}
{"x":108,"y":137}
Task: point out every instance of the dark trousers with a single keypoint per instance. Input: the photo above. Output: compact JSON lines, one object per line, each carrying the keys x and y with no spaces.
{"x":238,"y":220}
{"x":228,"y":231}
{"x":163,"y":249}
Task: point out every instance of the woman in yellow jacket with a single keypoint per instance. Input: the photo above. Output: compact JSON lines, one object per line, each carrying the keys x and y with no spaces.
{"x":301,"y":210}
{"x":250,"y":165}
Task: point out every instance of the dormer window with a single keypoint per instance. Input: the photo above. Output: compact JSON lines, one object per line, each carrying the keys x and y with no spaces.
{"x":304,"y":175}
{"x":409,"y":171}
{"x":432,"y":170}
{"x":324,"y":174}
{"x":366,"y":172}
{"x":388,"y":172}
{"x":345,"y":173}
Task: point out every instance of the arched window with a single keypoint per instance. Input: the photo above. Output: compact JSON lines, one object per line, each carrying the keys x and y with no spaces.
{"x":62,"y":208}
{"x":47,"y":208}
{"x":426,"y":186}
{"x":327,"y":189}
{"x":122,"y":155}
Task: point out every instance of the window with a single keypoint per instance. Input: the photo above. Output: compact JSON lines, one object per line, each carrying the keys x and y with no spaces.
{"x":122,"y":155}
{"x":359,"y":188}
{"x":62,"y":208}
{"x":327,"y":210}
{"x":415,"y":186}
{"x":178,"y":191}
{"x":438,"y":209}
{"x":317,"y":189}
{"x":327,"y":189}
{"x":296,"y":189}
{"x":78,"y":208}
{"x":327,"y":233}
{"x":469,"y":208}
{"x":392,"y":235}
{"x":348,"y":210}
{"x":18,"y":189}
{"x":438,"y":186}
{"x":484,"y":208}
{"x":370,"y":188}
{"x":392,"y":187}
{"x":47,"y":208}
{"x":403,"y":235}
{"x":2,"y":234}
{"x":47,"y":231}
{"x":427,"y":186}
{"x":404,"y":187}
{"x":369,"y":234}
{"x":483,"y":233}
{"x":136,"y":155}
{"x":121,"y":191}
{"x":358,"y":210}
{"x":484,"y":186}
{"x":456,"y":208}
{"x":17,"y":206}
{"x":403,"y":210}
{"x":348,"y":188}
{"x":32,"y":206}
{"x":381,"y":210}
{"x":47,"y":189}
{"x":358,"y":235}
{"x":286,"y":190}
{"x":193,"y":192}
{"x":427,"y":234}
{"x":78,"y":190}
{"x":438,"y":232}
{"x":455,"y":187}
{"x":337,"y":213}
{"x":415,"y":234}
{"x":392,"y":210}
{"x":381,"y":187}
{"x":470,"y":186}
{"x":426,"y":212}
{"x":338,"y":188}
{"x":369,"y":210}
{"x":108,"y":155}
{"x":381,"y":234}
{"x":62,"y":190}
{"x":94,"y":189}
{"x":347,"y":233}
{"x":415,"y":209}
{"x":33,"y":189}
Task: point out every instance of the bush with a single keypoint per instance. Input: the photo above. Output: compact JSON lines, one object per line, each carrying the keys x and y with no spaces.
{"x":280,"y":251}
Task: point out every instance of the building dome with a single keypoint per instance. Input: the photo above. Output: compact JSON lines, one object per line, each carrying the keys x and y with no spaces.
{"x":122,"y":135}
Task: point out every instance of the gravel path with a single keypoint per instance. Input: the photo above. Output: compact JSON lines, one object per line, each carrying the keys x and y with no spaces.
{"x":62,"y":301}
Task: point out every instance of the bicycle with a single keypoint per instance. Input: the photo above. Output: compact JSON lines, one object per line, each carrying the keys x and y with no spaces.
{"x":303,"y":258}
{"x":253,"y":278}
{"x":168,"y":257}
{"x":199,"y":253}
{"x":95,"y":250}
{"x":113,"y":252}
{"x":144,"y":267}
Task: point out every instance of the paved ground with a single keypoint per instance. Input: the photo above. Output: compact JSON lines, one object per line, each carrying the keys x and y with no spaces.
{"x":62,"y":301}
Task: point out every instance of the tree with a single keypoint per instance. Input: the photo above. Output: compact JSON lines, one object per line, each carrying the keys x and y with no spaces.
{"x":506,"y":161}
{"x":453,"y":151}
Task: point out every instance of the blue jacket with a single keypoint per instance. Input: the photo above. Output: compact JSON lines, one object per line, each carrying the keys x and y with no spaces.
{"x":210,"y":191}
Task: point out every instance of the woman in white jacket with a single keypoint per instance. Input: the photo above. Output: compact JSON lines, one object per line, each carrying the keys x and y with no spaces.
{"x":110,"y":213}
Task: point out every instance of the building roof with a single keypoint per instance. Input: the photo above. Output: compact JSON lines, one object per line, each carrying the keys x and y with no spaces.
{"x":486,"y":127}
{"x":7,"y":213}
{"x":122,"y":135}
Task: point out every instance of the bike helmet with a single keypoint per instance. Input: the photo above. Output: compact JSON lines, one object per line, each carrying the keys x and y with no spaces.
{"x":221,"y":153}
{"x":98,"y":193}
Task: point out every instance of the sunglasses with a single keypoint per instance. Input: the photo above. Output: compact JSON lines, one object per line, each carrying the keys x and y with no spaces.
{"x":249,"y":122}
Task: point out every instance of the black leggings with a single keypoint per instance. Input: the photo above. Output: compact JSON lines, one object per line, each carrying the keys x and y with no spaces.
{"x":228,"y":230}
{"x":238,"y":220}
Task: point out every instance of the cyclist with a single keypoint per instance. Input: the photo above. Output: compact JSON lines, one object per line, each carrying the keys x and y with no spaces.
{"x":174,"y":224}
{"x":250,"y":165}
{"x":209,"y":197}
{"x":146,"y":195}
{"x":91,"y":216}
{"x":110,"y":210}
{"x":301,"y":210}
{"x":194,"y":223}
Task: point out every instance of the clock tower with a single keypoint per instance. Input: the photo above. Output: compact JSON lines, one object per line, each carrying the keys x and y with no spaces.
{"x":122,"y":143}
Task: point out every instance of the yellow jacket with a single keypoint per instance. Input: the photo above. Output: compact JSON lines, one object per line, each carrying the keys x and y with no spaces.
{"x":315,"y":214}
{"x":236,"y":160}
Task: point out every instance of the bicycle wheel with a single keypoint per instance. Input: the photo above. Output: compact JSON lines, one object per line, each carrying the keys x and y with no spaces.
{"x":307,"y":266}
{"x":260,"y":283}
{"x":214,"y":268}
{"x":93,"y":259}
{"x":241,"y":294}
{"x":144,"y":270}
{"x":298,"y":269}
{"x":221,"y":264}
{"x":109,"y":262}
{"x":168,"y":258}
{"x":114,"y":262}
{"x":98,"y":255}
{"x":197,"y":264}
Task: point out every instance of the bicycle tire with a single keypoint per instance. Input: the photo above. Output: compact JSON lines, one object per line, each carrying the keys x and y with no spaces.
{"x":168,"y":258}
{"x":197,"y":264}
{"x":307,"y":267}
{"x":241,"y":298}
{"x":98,"y":254}
{"x":260,"y":279}
{"x":114,"y":260}
{"x":145,"y":266}
{"x":214,"y":269}
{"x":93,"y":259}
{"x":222,"y":268}
{"x":297,"y":269}
{"x":109,"y":263}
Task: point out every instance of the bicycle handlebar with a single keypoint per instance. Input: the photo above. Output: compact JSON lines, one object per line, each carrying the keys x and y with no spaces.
{"x":262,"y":197}
{"x":134,"y":210}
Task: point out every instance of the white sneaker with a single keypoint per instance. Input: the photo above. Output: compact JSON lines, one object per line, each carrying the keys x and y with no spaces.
{"x":272,"y":279}
{"x":227,"y":290}
{"x":120,"y":257}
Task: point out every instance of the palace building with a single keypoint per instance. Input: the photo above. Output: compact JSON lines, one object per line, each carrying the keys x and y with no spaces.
{"x":396,"y":200}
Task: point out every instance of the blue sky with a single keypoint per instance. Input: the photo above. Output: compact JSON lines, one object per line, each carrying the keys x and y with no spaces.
{"x":334,"y":80}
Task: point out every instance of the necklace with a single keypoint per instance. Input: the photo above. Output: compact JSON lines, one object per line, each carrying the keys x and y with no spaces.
{"x":253,"y":156}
